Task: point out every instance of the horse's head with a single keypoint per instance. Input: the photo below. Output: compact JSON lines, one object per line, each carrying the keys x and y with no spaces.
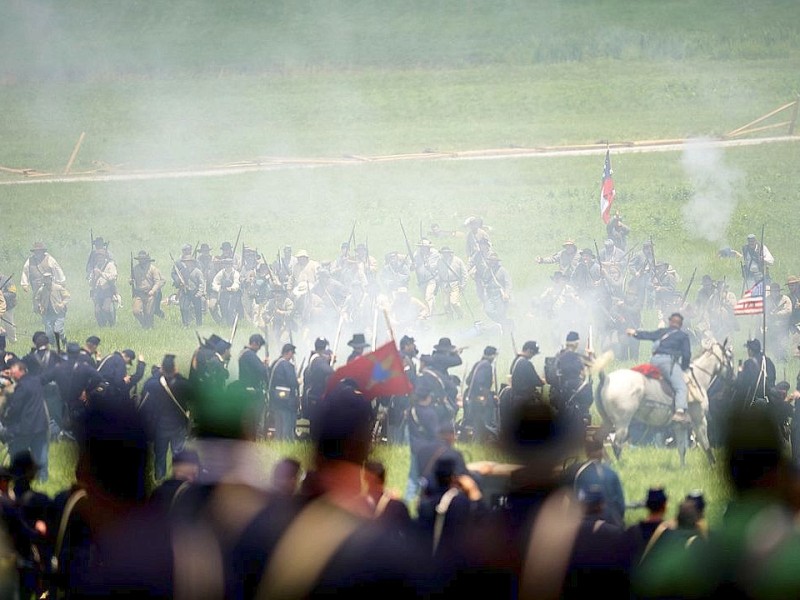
{"x":723,"y":354}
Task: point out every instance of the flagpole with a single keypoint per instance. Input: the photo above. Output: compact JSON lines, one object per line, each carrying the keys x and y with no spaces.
{"x":763,"y":373}
{"x":388,"y":324}
{"x":764,"y":297}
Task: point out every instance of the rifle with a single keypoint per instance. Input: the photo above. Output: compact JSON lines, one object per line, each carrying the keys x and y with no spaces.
{"x":597,"y":252}
{"x":513,"y":343}
{"x":91,"y":238}
{"x":177,"y":271}
{"x":236,"y":244}
{"x":336,"y":341}
{"x":196,"y":248}
{"x":5,"y":283}
{"x":351,"y":240}
{"x":58,"y":342}
{"x":133,"y":281}
{"x":408,"y":245}
{"x":688,"y":287}
{"x":233,"y":329}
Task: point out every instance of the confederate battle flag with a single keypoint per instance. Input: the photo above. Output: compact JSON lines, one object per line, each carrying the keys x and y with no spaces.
{"x":607,"y":191}
{"x":379,"y":373}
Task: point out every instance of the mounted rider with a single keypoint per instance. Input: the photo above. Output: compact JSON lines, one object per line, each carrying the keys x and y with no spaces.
{"x":672,"y":354}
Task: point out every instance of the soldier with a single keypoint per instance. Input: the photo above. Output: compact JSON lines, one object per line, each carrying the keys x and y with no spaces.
{"x":280,"y":313}
{"x":89,"y":353}
{"x":25,"y":421}
{"x":753,"y":264}
{"x":358,"y":343}
{"x":77,"y":380}
{"x":666,"y":296}
{"x":50,"y":302}
{"x":672,"y":354}
{"x":618,"y":232}
{"x":341,"y":261}
{"x":315,"y":381}
{"x":399,"y":405}
{"x":395,"y":273}
{"x":303,"y":271}
{"x":779,"y":313}
{"x":254,"y":377}
{"x":477,"y":239}
{"x":451,"y":281}
{"x":191,"y":284}
{"x":103,"y":287}
{"x":573,"y":393}
{"x":226,"y":284}
{"x":332,"y":294}
{"x":284,"y":264}
{"x":566,"y":258}
{"x":526,"y":385}
{"x":113,"y":370}
{"x":98,"y":244}
{"x":369,"y":262}
{"x":247,"y":281}
{"x":426,"y":262}
{"x":497,"y":284}
{"x":35,"y":268}
{"x":226,"y":253}
{"x":165,"y":405}
{"x":406,"y":312}
{"x":284,"y":393}
{"x":208,"y":372}
{"x":793,"y":286}
{"x":435,"y":376}
{"x":8,"y":290}
{"x":586,"y":276}
{"x":357,"y":308}
{"x":480,"y":410}
{"x":147,"y":283}
{"x":610,"y":254}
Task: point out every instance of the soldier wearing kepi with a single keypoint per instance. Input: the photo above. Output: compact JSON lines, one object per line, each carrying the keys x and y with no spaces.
{"x":573,"y":392}
{"x":147,"y":283}
{"x":481,"y":404}
{"x":253,"y":376}
{"x":227,"y":285}
{"x":497,"y":286}
{"x":672,"y":354}
{"x":191,"y":284}
{"x":165,"y":403}
{"x":315,"y":381}
{"x":103,"y":287}
{"x":284,"y":393}
{"x":36,"y":266}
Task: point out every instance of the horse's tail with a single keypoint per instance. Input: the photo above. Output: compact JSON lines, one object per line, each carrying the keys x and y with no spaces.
{"x":598,"y":398}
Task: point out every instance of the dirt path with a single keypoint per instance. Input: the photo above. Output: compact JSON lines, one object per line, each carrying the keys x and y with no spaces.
{"x":279,"y":164}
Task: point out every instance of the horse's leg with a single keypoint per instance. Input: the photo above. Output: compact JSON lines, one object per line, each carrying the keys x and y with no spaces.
{"x":700,"y":424}
{"x":620,"y":437}
{"x":681,"y":432}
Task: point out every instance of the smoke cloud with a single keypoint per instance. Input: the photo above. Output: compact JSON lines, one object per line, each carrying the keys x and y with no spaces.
{"x":714,"y":184}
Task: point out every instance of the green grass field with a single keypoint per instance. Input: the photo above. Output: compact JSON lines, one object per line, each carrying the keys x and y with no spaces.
{"x":196,"y":83}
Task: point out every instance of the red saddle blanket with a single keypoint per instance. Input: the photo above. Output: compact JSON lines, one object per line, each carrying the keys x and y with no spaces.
{"x":648,"y":371}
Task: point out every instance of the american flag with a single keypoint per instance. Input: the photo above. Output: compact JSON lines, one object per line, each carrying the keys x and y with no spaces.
{"x":607,"y":191}
{"x":752,"y":301}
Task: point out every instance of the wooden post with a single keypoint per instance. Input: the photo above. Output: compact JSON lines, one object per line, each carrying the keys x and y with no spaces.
{"x":794,"y":116}
{"x":74,"y":153}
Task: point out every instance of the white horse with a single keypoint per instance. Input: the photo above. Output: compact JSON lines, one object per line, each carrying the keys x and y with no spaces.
{"x":626,"y":395}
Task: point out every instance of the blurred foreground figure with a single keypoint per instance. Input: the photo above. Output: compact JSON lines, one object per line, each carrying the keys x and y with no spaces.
{"x":756,"y":550}
{"x":537,"y":543}
{"x":326,"y":541}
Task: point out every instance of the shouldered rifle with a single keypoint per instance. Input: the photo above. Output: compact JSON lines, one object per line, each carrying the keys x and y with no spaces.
{"x":133,"y":280}
{"x":352,"y":239}
{"x":688,"y":287}
{"x":597,"y":252}
{"x":236,"y":244}
{"x":196,"y":248}
{"x":5,"y":283}
{"x":408,"y":244}
{"x":177,"y":271}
